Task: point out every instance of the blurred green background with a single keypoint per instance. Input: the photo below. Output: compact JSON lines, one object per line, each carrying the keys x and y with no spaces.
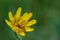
{"x":46,"y":12}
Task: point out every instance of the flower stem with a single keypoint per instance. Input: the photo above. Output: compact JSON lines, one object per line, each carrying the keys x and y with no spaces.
{"x":18,"y":38}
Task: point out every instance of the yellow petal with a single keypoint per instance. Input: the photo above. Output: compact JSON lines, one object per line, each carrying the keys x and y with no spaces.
{"x":19,"y":22}
{"x":11,"y":16}
{"x":17,"y":30}
{"x":14,"y":28}
{"x":29,"y":16}
{"x":31,"y":22}
{"x":9,"y":23}
{"x":22,"y":33}
{"x":28,"y":29}
{"x":18,"y":12}
{"x":26,"y":16}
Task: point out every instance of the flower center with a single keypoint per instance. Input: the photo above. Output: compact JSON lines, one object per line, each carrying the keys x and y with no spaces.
{"x":19,"y":26}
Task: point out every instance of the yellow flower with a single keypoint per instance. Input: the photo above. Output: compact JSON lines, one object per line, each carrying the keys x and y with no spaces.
{"x":20,"y":24}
